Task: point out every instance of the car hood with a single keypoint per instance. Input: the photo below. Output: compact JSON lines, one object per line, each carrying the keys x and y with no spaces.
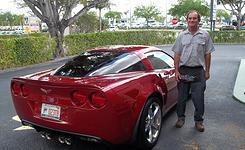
{"x":104,"y":82}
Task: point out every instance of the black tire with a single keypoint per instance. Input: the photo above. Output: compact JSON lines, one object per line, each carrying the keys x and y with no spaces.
{"x":150,"y":124}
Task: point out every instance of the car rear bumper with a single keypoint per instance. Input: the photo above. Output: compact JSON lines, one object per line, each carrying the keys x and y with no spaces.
{"x":54,"y":133}
{"x":107,"y":124}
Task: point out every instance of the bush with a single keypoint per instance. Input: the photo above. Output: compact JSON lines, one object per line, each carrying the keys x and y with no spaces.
{"x":7,"y":56}
{"x":25,"y":50}
{"x":16,"y":50}
{"x":80,"y":42}
{"x":31,"y":50}
{"x":228,"y":36}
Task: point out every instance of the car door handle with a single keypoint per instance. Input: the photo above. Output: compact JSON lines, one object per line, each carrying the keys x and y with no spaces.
{"x":160,"y":75}
{"x":165,"y":76}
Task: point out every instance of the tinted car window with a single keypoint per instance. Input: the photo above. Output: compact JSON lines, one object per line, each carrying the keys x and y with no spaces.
{"x":101,"y":63}
{"x":160,"y":60}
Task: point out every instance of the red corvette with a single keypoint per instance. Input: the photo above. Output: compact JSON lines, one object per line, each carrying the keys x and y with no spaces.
{"x":112,"y":94}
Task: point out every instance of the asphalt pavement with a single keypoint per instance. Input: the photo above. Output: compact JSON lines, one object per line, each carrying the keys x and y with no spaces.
{"x":224,"y":114}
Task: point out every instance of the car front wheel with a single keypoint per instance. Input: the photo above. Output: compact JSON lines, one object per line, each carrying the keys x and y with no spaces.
{"x":150,"y":124}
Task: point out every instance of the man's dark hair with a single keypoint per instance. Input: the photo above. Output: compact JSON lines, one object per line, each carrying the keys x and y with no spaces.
{"x":198,"y":15}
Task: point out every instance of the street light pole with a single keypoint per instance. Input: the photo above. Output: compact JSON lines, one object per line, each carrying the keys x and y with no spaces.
{"x":211,"y":14}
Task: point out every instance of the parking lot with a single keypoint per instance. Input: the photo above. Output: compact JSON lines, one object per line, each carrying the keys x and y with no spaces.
{"x":224,"y":116}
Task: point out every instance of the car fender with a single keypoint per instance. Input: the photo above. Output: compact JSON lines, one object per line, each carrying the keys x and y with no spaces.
{"x":156,"y":91}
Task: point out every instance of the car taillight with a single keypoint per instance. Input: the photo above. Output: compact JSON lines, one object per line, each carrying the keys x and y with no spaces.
{"x":16,"y":88}
{"x":24,"y":90}
{"x":98,"y":100}
{"x":78,"y":98}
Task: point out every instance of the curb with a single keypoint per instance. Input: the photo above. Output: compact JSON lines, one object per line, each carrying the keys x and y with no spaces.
{"x":239,"y":88}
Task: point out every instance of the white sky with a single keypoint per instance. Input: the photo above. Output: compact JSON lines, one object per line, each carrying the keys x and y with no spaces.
{"x":119,"y":5}
{"x":10,"y":5}
{"x":126,"y":5}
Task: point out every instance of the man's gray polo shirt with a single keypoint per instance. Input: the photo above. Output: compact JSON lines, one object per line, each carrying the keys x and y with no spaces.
{"x":192,"y":48}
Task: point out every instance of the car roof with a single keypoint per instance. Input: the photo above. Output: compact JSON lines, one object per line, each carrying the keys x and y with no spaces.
{"x":126,"y":48}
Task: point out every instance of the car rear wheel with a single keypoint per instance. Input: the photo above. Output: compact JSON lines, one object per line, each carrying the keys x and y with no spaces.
{"x":150,"y":124}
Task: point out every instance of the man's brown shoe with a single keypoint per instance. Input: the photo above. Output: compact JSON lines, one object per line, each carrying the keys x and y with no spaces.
{"x":180,"y":123}
{"x":199,"y":126}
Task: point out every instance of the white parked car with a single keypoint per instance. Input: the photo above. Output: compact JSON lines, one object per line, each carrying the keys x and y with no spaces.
{"x":112,"y":28}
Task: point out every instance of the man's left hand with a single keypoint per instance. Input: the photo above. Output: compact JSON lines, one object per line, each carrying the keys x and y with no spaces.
{"x":207,"y":75}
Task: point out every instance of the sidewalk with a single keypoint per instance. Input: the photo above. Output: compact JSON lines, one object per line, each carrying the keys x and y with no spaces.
{"x":239,"y":88}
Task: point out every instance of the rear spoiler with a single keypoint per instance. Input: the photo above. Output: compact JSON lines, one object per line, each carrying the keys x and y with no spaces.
{"x":54,"y":84}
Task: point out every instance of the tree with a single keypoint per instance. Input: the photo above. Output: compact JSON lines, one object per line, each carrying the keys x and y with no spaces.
{"x":100,"y":7}
{"x":184,"y":6}
{"x":222,"y":13}
{"x":105,"y":24}
{"x":57,"y":15}
{"x":6,"y":18}
{"x":243,"y":19}
{"x":236,"y":7}
{"x":87,"y":22}
{"x":160,"y":18}
{"x":9,"y":19}
{"x":114,"y":15}
{"x":147,"y":12}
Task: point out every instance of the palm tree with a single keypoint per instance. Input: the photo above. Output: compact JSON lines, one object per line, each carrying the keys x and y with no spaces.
{"x":100,"y":6}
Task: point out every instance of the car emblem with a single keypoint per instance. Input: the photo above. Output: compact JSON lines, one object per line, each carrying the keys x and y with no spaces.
{"x":46,"y":91}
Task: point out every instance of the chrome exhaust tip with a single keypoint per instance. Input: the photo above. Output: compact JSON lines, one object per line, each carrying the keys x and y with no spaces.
{"x":68,"y":141}
{"x":43,"y":134}
{"x":61,"y":139}
{"x":48,"y":136}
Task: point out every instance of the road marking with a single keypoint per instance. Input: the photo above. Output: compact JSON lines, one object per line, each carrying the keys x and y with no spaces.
{"x":21,"y":128}
{"x":16,"y":118}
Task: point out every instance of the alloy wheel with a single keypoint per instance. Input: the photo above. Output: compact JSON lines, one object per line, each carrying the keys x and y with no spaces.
{"x":153,"y":122}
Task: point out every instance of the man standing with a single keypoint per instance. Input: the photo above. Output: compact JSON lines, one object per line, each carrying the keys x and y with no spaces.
{"x":192,"y":57}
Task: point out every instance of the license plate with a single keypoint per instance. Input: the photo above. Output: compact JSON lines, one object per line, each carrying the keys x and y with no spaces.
{"x":50,"y":111}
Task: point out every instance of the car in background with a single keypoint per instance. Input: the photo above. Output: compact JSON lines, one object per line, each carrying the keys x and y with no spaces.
{"x":242,"y":27}
{"x":227,"y":27}
{"x":110,"y":94}
{"x":10,"y":33}
{"x":113,"y":28}
{"x":205,"y":27}
{"x":44,"y":27}
{"x":177,"y":26}
{"x":137,"y":25}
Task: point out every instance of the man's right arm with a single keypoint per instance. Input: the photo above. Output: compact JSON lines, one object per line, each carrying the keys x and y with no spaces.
{"x":177,"y":47}
{"x":176,"y":65}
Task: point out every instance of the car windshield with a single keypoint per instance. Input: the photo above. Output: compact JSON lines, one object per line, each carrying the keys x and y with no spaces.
{"x":92,"y":63}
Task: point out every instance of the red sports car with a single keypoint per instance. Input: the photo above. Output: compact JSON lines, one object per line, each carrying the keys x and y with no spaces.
{"x":111,"y":94}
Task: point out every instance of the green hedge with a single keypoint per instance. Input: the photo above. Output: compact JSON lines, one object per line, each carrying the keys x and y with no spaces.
{"x":228,"y":36}
{"x":24,"y":51}
{"x":35,"y":48}
{"x":80,"y":42}
{"x":7,"y":55}
{"x":24,"y":35}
